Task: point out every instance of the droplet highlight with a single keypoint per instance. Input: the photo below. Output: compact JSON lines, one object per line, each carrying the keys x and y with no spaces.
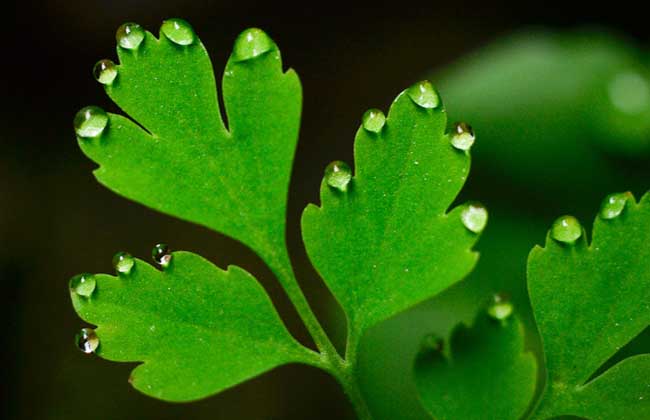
{"x":123,"y":262}
{"x":129,"y":36}
{"x":462,"y":138}
{"x":373,"y":120}
{"x":83,"y":284}
{"x":613,"y":205}
{"x":161,"y":255}
{"x":86,"y":340}
{"x":474,"y":216}
{"x":105,"y":71}
{"x":90,"y":122}
{"x":566,"y":229}
{"x":252,"y":43}
{"x":424,"y":94}
{"x":178,"y":31}
{"x":501,"y":307}
{"x":338,"y":175}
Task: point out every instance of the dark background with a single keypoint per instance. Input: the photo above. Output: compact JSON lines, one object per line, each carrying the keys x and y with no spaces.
{"x":56,"y":221}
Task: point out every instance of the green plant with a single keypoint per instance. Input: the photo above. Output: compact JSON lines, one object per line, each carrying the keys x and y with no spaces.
{"x":382,"y":239}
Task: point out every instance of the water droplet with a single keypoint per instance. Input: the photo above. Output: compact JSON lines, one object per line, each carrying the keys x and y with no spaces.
{"x":161,"y":255}
{"x":432,"y":342}
{"x":90,"y":121}
{"x":373,"y":120}
{"x":474,"y":216}
{"x":178,"y":31}
{"x":105,"y":71}
{"x":613,"y":205}
{"x":252,"y":43}
{"x":501,"y":308}
{"x":566,"y":229}
{"x":462,"y":137}
{"x":630,"y":92}
{"x":86,"y":340}
{"x":123,"y":262}
{"x":130,"y":35}
{"x":424,"y":94}
{"x":338,"y":175}
{"x":83,"y":284}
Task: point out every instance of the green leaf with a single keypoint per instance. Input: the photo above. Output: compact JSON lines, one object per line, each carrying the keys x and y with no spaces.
{"x":486,"y":374}
{"x":197,"y":329}
{"x":590,"y":300}
{"x":388,"y":242}
{"x":182,"y":160}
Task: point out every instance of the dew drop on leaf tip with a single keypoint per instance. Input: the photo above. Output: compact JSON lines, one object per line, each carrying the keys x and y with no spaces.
{"x":474,"y":217}
{"x":501,"y":307}
{"x":178,"y":31}
{"x":613,"y":205}
{"x":338,"y":175}
{"x":90,"y":122}
{"x":105,"y":71}
{"x":566,"y":229}
{"x":123,"y":262}
{"x":373,"y":120}
{"x":129,"y":36}
{"x":424,"y":95}
{"x":252,"y":43}
{"x":462,"y":137}
{"x":161,"y":255}
{"x":83,"y":284}
{"x":86,"y":340}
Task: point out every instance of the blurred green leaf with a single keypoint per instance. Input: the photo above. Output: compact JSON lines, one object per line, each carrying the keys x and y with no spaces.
{"x":486,"y":375}
{"x":589,"y":301}
{"x":197,"y":329}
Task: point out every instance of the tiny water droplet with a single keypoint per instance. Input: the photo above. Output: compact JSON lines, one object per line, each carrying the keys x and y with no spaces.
{"x":432,"y":342}
{"x":373,"y":120}
{"x":83,"y":284}
{"x":424,"y":94}
{"x":123,"y":262}
{"x":252,"y":43}
{"x":161,"y":255}
{"x":613,"y":205}
{"x":129,"y":35}
{"x":462,"y":137}
{"x":501,"y":308}
{"x":338,"y":175}
{"x":105,"y":71}
{"x":178,"y":31}
{"x":90,"y":122}
{"x":566,"y":229}
{"x":86,"y":340}
{"x":474,"y":216}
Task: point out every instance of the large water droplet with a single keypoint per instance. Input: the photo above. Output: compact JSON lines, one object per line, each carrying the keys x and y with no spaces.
{"x":161,"y":255}
{"x":90,"y":121}
{"x":373,"y":120}
{"x":86,"y":340}
{"x":501,"y":308}
{"x":178,"y":31}
{"x":83,"y":284}
{"x":123,"y":262}
{"x":424,"y":94}
{"x":252,"y":43}
{"x":105,"y":71}
{"x":129,"y":35}
{"x":474,"y":216}
{"x":614,"y":204}
{"x":462,"y":137}
{"x":338,"y":175}
{"x":432,"y":342}
{"x":566,"y":229}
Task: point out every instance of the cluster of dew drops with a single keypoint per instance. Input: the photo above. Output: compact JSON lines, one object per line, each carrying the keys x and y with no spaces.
{"x":84,"y":286}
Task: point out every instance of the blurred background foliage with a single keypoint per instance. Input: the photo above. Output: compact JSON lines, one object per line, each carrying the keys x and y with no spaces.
{"x":559,"y":99}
